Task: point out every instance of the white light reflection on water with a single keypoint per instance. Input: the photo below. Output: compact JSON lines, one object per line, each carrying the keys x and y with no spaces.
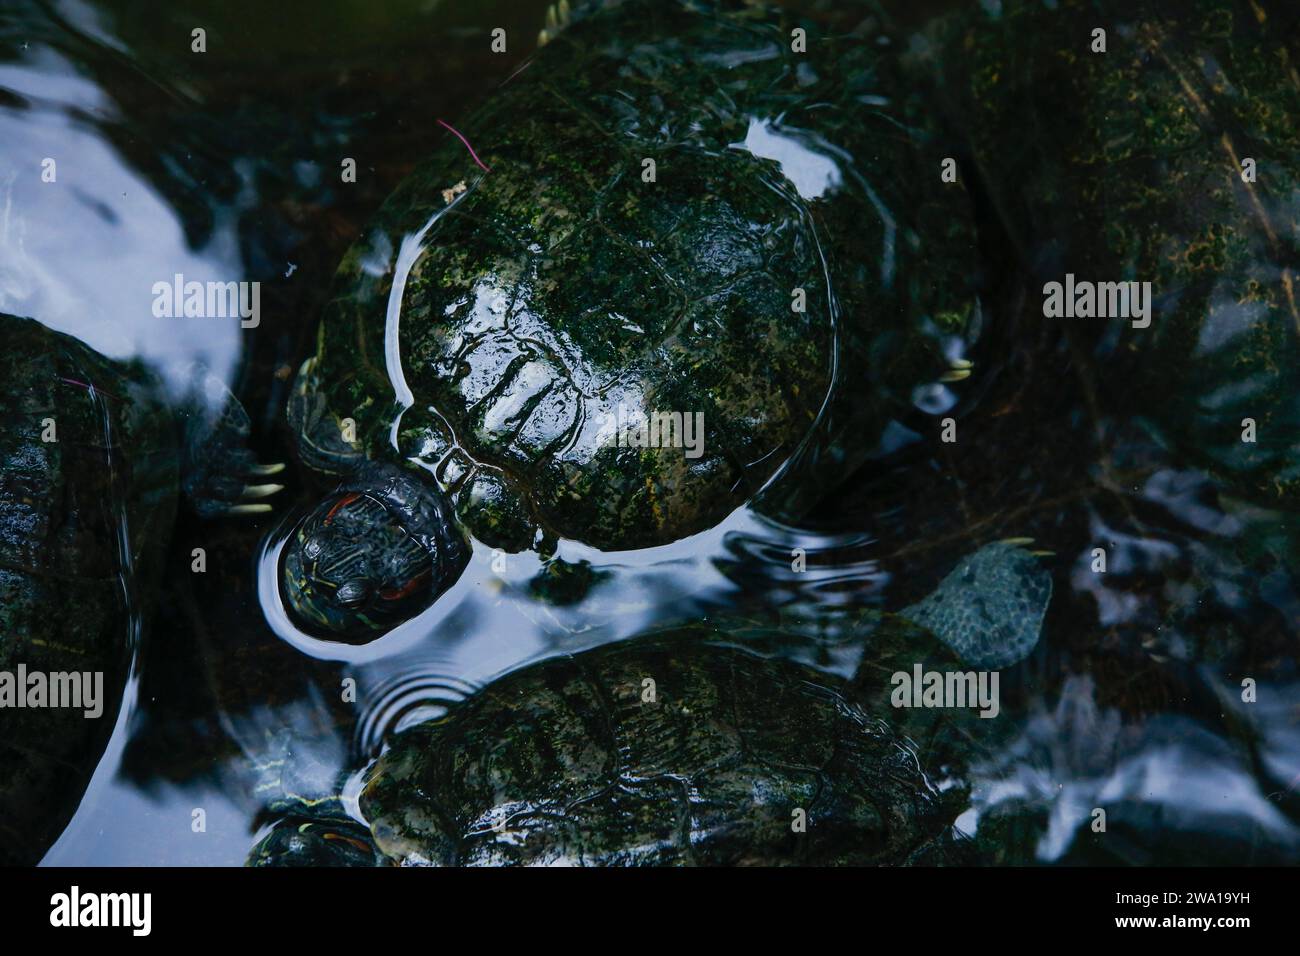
{"x":811,"y":173}
{"x":1166,"y":775}
{"x":81,"y":254}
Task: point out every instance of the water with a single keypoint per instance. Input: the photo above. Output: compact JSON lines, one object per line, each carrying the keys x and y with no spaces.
{"x":227,"y":166}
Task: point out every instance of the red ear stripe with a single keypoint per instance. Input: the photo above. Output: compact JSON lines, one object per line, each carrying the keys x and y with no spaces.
{"x":345,"y":500}
{"x":394,"y":594}
{"x":347,"y":839}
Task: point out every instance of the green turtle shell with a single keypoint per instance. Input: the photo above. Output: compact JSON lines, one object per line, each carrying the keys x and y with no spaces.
{"x":673,"y":748}
{"x":83,"y":521}
{"x":507,"y":330}
{"x":1129,"y":165}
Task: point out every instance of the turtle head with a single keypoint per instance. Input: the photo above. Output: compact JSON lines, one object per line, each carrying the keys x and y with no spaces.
{"x":297,"y":841}
{"x":374,"y":553}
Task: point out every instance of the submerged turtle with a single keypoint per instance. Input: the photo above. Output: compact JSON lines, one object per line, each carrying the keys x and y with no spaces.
{"x":691,"y":235}
{"x":1170,"y":157}
{"x":687,"y":746}
{"x":301,"y":792}
{"x":92,"y":463}
{"x":331,"y":840}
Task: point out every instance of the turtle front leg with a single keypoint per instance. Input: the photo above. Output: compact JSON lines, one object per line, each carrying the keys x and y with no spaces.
{"x":219,"y":474}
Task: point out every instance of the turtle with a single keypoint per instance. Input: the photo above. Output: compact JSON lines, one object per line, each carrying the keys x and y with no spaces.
{"x":659,"y":276}
{"x":331,"y":840}
{"x":301,"y":795}
{"x":690,"y":744}
{"x":94,"y":458}
{"x":1156,"y":143}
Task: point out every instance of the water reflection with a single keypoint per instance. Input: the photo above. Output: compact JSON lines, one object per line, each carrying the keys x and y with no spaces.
{"x":84,"y":236}
{"x":1165,"y":784}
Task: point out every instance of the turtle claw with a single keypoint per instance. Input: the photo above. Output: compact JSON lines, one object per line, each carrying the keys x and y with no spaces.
{"x":219,"y":494}
{"x":557,"y":18}
{"x":958,"y":369}
{"x":218,"y":470}
{"x":1024,"y":543}
{"x":228,"y":495}
{"x":260,"y":491}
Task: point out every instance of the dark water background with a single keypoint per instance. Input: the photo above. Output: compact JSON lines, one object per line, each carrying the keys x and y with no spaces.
{"x":226,"y":165}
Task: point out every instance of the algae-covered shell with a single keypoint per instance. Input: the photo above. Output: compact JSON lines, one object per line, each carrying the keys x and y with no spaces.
{"x":686,"y":226}
{"x":1171,"y":158}
{"x":672,"y":748}
{"x":88,"y":490}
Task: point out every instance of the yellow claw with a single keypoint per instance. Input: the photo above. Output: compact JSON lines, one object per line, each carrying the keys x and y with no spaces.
{"x":956,"y":375}
{"x":248,"y":509}
{"x":260,"y":491}
{"x":557,"y":18}
{"x":1018,"y":542}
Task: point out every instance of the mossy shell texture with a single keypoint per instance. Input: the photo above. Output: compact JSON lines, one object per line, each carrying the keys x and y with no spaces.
{"x":668,"y":749}
{"x":1131,"y":165}
{"x":496,"y":328}
{"x":84,"y":519}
